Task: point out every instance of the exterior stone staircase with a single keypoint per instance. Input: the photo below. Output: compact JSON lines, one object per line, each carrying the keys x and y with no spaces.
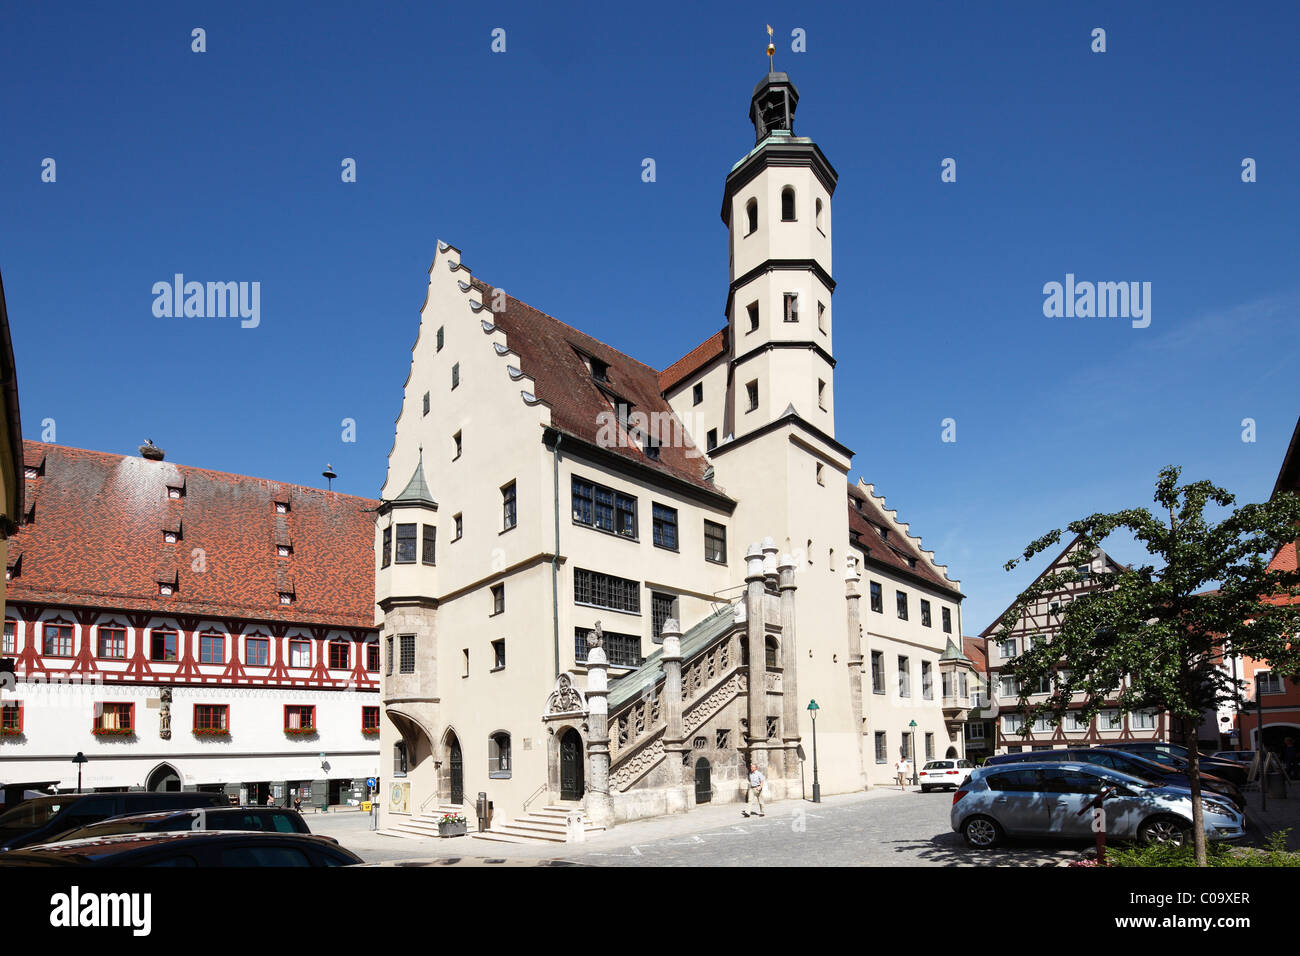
{"x":426,"y":824}
{"x":547,"y":825}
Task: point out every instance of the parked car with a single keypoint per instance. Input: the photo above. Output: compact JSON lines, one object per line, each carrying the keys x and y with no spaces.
{"x":266,"y":819}
{"x":1132,"y":764}
{"x":944,"y":773}
{"x":187,"y":849}
{"x":1176,"y":756}
{"x":1053,"y":799}
{"x":1243,"y":757}
{"x":41,"y":818}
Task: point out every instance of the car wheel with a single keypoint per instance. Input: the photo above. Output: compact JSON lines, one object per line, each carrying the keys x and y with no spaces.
{"x":982,"y":833}
{"x":924,"y":788}
{"x":1168,"y":830}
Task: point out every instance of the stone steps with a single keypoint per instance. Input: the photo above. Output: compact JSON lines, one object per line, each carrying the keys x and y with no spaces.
{"x":547,"y":825}
{"x":426,"y":824}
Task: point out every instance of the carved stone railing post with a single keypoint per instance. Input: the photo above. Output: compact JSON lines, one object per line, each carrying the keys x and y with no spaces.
{"x":853,"y":600}
{"x":789,"y":669}
{"x":675,"y":747}
{"x":756,"y":709}
{"x":598,"y":802}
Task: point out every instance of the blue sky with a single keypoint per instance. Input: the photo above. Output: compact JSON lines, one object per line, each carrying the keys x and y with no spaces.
{"x":1115,"y":166}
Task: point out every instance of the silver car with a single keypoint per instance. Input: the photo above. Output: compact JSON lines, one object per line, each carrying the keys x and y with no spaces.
{"x":1055,"y":799}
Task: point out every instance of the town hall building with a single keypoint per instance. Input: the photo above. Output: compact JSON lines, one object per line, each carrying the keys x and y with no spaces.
{"x":610,"y":587}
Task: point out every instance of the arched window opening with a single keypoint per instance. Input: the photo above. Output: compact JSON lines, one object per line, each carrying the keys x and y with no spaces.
{"x":751,"y":213}
{"x":787,"y":204}
{"x":499,"y":755}
{"x":773,"y":653}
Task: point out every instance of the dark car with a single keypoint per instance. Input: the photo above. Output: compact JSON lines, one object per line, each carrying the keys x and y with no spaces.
{"x":188,"y":849}
{"x":1132,"y":764}
{"x":264,"y":819}
{"x":1173,"y":755}
{"x":41,"y":818}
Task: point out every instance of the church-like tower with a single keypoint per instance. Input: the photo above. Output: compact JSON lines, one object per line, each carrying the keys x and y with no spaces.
{"x":777,"y":208}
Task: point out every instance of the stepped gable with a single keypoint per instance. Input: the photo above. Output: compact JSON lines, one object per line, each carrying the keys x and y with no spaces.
{"x":97,"y":540}
{"x":551,"y":354}
{"x":867,"y":515}
{"x":704,"y":354}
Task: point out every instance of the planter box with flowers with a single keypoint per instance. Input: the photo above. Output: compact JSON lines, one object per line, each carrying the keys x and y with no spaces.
{"x":10,"y":732}
{"x":370,"y":731}
{"x":211,"y":732}
{"x":113,"y":732}
{"x":300,"y":731}
{"x":452,"y":825}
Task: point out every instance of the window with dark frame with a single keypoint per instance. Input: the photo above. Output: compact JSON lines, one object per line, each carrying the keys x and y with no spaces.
{"x":429,"y":545}
{"x":787,"y":204}
{"x":340,"y":655}
{"x":258,"y":651}
{"x":426,"y":403}
{"x":459,"y":525}
{"x":711,"y":440}
{"x":407,"y":663}
{"x":715,"y":543}
{"x":665,"y":526}
{"x":791,"y":300}
{"x":499,"y":756}
{"x":623,"y":650}
{"x":10,"y":645}
{"x":301,"y":717}
{"x":697,"y":393}
{"x":455,"y":375}
{"x":508,"y":513}
{"x":388,"y":666}
{"x":752,"y":311}
{"x":163,"y":645}
{"x":386,"y":548}
{"x":369,"y":719}
{"x":661,"y":609}
{"x":927,"y":680}
{"x":457,"y":441}
{"x":58,"y":640}
{"x":878,"y":672}
{"x":821,"y":317}
{"x":440,"y":338}
{"x":112,"y":644}
{"x":751,"y":216}
{"x":882,"y":747}
{"x":900,"y":599}
{"x":211,"y":717}
{"x":604,"y":508}
{"x":372,"y":656}
{"x":498,"y":598}
{"x":925,"y":613}
{"x":499,"y":654}
{"x":405,"y":544}
{"x":751,"y":394}
{"x":607,"y":591}
{"x":946,"y":615}
{"x":877,"y":598}
{"x":399,"y":759}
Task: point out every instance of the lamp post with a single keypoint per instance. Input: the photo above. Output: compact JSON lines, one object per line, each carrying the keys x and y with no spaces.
{"x":912,"y":740}
{"x":813,"y":707}
{"x":79,"y":759}
{"x":1260,"y":756}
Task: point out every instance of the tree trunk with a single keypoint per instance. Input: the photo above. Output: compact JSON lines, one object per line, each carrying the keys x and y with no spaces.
{"x":1194,"y":775}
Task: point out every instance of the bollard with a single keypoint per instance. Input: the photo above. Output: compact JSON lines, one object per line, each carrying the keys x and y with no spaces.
{"x":575,"y":832}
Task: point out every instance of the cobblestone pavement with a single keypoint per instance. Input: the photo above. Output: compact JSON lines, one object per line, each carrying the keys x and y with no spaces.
{"x":878,"y":828}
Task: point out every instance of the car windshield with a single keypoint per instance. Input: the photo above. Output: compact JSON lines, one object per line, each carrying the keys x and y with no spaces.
{"x":31,"y":814}
{"x":938,"y":765}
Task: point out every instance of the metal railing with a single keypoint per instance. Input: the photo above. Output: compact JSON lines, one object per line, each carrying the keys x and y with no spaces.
{"x":535,"y":794}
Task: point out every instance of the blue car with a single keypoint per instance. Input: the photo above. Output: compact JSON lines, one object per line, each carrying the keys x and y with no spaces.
{"x":1054,"y":800}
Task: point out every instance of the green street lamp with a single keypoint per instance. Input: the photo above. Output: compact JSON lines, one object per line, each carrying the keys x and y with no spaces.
{"x":79,"y":759}
{"x":912,"y":739}
{"x":813,"y":707}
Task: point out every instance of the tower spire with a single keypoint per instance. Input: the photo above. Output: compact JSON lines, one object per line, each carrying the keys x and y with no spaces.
{"x":771,"y":51}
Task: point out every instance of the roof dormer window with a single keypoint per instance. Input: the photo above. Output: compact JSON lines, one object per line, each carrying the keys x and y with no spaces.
{"x":282,"y":507}
{"x":884,"y":534}
{"x":599,"y":369}
{"x":175,"y":491}
{"x":286,"y":597}
{"x":32,"y":472}
{"x":166,"y":590}
{"x":171,"y":537}
{"x":283,"y":550}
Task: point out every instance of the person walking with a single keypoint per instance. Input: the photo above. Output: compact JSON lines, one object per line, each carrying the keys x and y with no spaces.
{"x":756,"y":782}
{"x":270,"y":800}
{"x":901,"y":768}
{"x":1289,"y":756}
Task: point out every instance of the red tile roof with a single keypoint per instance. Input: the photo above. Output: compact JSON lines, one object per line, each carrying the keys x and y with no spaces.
{"x":708,"y":351}
{"x":866,"y":518}
{"x":97,"y":540}
{"x":550,"y":353}
{"x":976,"y":648}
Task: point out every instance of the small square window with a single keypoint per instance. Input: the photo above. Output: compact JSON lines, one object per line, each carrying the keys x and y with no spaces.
{"x":31,"y":472}
{"x":174,"y":491}
{"x":170,"y":537}
{"x":286,"y":597}
{"x":166,"y":590}
{"x":282,"y":507}
{"x":283,"y":550}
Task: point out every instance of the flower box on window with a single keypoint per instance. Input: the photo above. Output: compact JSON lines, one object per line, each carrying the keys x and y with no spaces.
{"x":452,"y":825}
{"x":211,"y":732}
{"x":114,"y":732}
{"x":370,"y":731}
{"x":11,"y":731}
{"x":300,"y":731}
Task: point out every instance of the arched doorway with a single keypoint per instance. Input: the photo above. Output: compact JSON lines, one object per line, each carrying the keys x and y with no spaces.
{"x":703,"y":781}
{"x":572,"y":779}
{"x":455,"y":771}
{"x":951,"y":753}
{"x":163,"y":778}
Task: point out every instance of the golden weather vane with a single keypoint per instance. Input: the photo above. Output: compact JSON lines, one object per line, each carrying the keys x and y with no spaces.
{"x":771,"y":50}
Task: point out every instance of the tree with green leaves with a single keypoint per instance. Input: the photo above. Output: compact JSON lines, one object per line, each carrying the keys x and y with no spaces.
{"x":1156,"y":635}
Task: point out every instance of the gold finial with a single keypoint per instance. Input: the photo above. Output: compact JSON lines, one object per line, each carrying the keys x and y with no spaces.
{"x":771,"y":50}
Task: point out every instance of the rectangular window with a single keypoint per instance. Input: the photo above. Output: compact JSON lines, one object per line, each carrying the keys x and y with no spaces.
{"x":430,"y":545}
{"x":877,"y":672}
{"x":604,"y":508}
{"x":945,"y":679}
{"x":1142,"y":720}
{"x":1008,"y":687}
{"x":751,"y":392}
{"x":661,"y":609}
{"x":877,"y":598}
{"x":927,"y":681}
{"x":498,"y":654}
{"x":212,"y":648}
{"x":386,"y":548}
{"x":606,"y":590}
{"x":584,"y":501}
{"x":711,"y":439}
{"x":508,"y":514}
{"x":112,"y":643}
{"x":929,"y":746}
{"x":58,"y":640}
{"x":752,"y":311}
{"x":665,"y":526}
{"x":162,"y":645}
{"x":900,"y":599}
{"x":1043,"y":685}
{"x":791,"y":306}
{"x":457,"y":444}
{"x":904,"y":677}
{"x":1270,"y":683}
{"x":11,"y":718}
{"x":1012,"y":724}
{"x":947,"y":620}
{"x":211,"y":717}
{"x":11,"y":638}
{"x":623,"y":650}
{"x":405,"y":544}
{"x":388,"y":667}
{"x":441,"y":338}
{"x":370,"y":720}
{"x":697,"y":393}
{"x":258,"y":651}
{"x":975,"y":730}
{"x":925,"y":613}
{"x":715,"y":543}
{"x":300,"y":717}
{"x":112,"y":717}
{"x":464,"y":657}
{"x":626,"y":516}
{"x":372,"y":656}
{"x":821,"y":316}
{"x":300,"y":654}
{"x":498,"y":598}
{"x":1075,"y":721}
{"x":455,"y":375}
{"x":1110,"y":720}
{"x":426,"y":403}
{"x":459,"y":524}
{"x":340,"y":655}
{"x":407,"y":663}
{"x":882,"y":747}
{"x":1007,"y":649}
